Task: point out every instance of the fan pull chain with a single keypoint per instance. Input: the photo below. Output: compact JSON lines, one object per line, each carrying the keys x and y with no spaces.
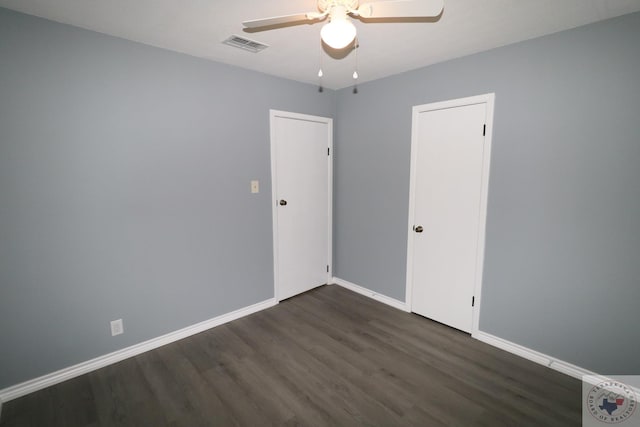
{"x":356,"y":45}
{"x":320,"y":73}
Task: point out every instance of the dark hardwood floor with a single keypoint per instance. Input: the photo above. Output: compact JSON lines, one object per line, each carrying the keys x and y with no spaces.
{"x":327,"y":357}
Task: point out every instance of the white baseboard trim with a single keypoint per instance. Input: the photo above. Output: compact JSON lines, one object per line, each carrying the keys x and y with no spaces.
{"x":371,"y":294}
{"x":57,"y":377}
{"x":566,"y":368}
{"x":535,"y":356}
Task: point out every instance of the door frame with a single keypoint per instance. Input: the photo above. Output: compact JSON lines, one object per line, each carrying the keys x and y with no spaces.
{"x":273,"y":114}
{"x":489,"y":100}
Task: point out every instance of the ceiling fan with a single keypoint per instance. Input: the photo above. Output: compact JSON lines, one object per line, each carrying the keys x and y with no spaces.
{"x":340,"y":31}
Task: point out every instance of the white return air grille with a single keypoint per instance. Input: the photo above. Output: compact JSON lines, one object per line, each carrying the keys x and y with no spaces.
{"x":245,"y":44}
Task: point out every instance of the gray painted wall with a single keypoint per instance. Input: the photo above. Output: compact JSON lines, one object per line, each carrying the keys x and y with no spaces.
{"x":562,"y":265}
{"x":124,"y":191}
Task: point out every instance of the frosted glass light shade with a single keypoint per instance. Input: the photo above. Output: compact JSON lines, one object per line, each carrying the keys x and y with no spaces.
{"x":338,"y":33}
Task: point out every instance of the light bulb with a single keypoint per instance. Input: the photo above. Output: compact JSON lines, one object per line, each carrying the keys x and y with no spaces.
{"x":355,"y":75}
{"x":320,"y":74}
{"x":338,"y":33}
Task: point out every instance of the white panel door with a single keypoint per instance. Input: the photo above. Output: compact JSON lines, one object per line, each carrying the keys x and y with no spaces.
{"x":301,"y":171}
{"x":447,"y":183}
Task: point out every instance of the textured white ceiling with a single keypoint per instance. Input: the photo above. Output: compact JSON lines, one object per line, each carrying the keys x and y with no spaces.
{"x":197,"y":27}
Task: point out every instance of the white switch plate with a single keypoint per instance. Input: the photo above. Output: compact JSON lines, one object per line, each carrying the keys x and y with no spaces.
{"x":255,"y":186}
{"x":117,"y":327}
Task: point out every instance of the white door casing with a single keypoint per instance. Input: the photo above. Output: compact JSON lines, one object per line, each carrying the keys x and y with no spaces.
{"x":450,"y":159}
{"x":301,"y":172}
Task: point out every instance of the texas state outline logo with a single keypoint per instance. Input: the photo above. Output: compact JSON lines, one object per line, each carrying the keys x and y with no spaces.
{"x":611,"y":402}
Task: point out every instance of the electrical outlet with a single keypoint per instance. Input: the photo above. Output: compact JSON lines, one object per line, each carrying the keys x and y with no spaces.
{"x":255,"y":186}
{"x":117,"y":327}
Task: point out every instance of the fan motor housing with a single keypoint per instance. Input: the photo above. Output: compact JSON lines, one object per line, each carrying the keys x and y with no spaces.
{"x":324,"y":5}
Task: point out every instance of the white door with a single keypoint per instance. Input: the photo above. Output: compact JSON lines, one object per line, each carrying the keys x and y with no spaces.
{"x":450,"y":164}
{"x":301,"y":177}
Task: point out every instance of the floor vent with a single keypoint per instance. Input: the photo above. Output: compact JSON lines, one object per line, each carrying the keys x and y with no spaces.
{"x":245,"y":44}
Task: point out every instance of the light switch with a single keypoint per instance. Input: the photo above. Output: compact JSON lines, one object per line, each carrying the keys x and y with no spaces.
{"x":255,"y":186}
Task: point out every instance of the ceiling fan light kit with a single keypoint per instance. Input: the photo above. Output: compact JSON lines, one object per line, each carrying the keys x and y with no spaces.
{"x":340,"y":31}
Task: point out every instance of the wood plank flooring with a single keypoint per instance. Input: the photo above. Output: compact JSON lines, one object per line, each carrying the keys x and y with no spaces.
{"x":326,"y":357}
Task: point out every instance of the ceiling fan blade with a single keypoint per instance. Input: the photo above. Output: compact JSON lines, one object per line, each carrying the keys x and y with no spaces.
{"x":401,"y":9}
{"x":278,"y":20}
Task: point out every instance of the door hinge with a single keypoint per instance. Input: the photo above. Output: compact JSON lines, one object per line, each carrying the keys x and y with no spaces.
{"x":484,"y":130}
{"x":328,"y":151}
{"x":327,"y":268}
{"x":473,"y":301}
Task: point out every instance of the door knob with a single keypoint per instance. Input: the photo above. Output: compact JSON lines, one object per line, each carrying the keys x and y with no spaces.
{"x":283,"y":202}
{"x":418,"y":229}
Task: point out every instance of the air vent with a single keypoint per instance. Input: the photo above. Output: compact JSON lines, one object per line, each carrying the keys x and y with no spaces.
{"x":245,"y":44}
